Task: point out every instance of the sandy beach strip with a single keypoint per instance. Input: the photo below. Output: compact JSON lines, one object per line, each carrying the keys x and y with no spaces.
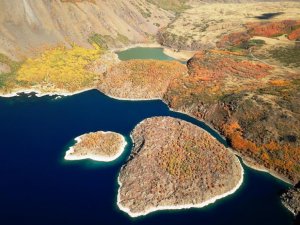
{"x":181,"y":55}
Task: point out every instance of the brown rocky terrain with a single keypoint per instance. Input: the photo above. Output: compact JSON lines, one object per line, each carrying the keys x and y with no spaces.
{"x":254,"y":105}
{"x":140,"y":79}
{"x":203,"y":25}
{"x":175,"y":164}
{"x":4,"y":68}
{"x":101,"y":146}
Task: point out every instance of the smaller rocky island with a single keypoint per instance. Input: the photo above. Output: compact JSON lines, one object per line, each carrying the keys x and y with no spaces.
{"x":99,"y":146}
{"x":173,"y":165}
{"x":291,"y":200}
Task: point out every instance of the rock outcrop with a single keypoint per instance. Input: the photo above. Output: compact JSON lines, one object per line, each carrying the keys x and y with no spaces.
{"x":175,"y":164}
{"x":291,"y":200}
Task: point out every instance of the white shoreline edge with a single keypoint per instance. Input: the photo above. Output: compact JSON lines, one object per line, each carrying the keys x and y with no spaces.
{"x":78,"y":139}
{"x":40,"y":93}
{"x":184,"y":206}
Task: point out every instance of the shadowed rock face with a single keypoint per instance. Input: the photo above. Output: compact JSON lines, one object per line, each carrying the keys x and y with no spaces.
{"x":266,"y":16}
{"x":175,"y":163}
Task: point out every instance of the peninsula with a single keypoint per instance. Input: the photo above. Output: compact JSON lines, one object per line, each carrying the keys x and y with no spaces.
{"x":175,"y":164}
{"x":99,"y":146}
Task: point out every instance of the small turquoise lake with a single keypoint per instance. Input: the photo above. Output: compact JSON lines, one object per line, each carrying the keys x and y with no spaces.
{"x":38,"y":187}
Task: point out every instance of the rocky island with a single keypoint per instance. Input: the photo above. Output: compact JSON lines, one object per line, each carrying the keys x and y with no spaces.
{"x":291,"y":200}
{"x":99,"y":146}
{"x":174,"y":165}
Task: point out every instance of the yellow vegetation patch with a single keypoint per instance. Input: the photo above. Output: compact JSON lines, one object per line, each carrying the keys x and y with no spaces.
{"x":61,"y":68}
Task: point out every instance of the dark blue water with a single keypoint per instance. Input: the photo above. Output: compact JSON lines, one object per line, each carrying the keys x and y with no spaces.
{"x":38,"y":187}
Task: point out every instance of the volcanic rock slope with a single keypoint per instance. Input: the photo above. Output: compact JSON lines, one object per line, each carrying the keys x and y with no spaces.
{"x":27,"y":26}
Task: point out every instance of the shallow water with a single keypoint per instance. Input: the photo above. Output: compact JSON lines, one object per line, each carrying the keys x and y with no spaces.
{"x":144,"y":53}
{"x":39,"y":187}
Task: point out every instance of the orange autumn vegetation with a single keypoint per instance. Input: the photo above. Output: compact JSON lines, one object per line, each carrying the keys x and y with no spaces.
{"x":212,"y":67}
{"x":234,"y":94}
{"x":263,"y":29}
{"x":233,"y":132}
{"x":294,"y":34}
{"x":271,"y":29}
{"x":233,"y":39}
{"x":279,"y":82}
{"x":141,"y":79}
{"x":265,"y":152}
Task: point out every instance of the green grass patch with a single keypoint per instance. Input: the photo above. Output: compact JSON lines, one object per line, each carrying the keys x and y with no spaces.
{"x":176,"y":6}
{"x":98,"y":40}
{"x":288,"y":56}
{"x":122,"y":38}
{"x":9,"y":79}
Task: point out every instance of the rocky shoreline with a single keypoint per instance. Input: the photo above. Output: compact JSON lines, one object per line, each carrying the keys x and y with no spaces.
{"x":40,"y":93}
{"x":291,"y":200}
